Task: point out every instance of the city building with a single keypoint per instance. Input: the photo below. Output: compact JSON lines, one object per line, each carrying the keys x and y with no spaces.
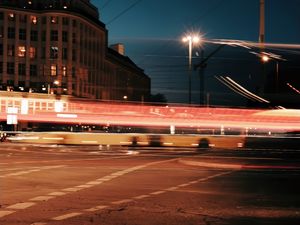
{"x":61,"y":47}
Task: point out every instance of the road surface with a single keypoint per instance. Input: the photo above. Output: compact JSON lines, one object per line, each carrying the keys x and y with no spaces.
{"x":82,"y":185}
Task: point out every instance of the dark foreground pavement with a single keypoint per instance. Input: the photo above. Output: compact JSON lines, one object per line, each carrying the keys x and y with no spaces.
{"x":87,"y":185}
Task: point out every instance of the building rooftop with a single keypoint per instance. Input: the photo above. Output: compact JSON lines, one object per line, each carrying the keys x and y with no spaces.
{"x":83,"y":7}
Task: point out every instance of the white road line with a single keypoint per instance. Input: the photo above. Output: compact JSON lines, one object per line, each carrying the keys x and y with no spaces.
{"x":157,"y":192}
{"x":22,"y":205}
{"x":94,"y":183}
{"x":73,"y":189}
{"x":67,"y":216}
{"x":141,"y":196}
{"x":84,"y":186}
{"x":38,"y":223}
{"x":171,"y":188}
{"x":193,"y":182}
{"x":42,"y":198}
{"x":99,"y":207}
{"x":183,"y":185}
{"x":103,"y":179}
{"x":118,"y":173}
{"x":57,"y":193}
{"x":121,"y":201}
{"x":5,"y":213}
{"x":31,"y":171}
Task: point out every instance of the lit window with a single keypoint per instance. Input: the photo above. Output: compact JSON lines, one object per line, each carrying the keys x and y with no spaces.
{"x":54,"y":19}
{"x":11,"y":16}
{"x":64,"y":71}
{"x":53,"y":52}
{"x":33,"y":19}
{"x":32,"y":52}
{"x":21,"y":51}
{"x":53,"y":70}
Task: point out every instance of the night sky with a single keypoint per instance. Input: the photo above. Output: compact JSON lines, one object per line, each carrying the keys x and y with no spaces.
{"x":152,"y":30}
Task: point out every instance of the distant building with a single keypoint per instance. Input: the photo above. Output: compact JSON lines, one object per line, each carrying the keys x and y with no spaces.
{"x":61,"y":46}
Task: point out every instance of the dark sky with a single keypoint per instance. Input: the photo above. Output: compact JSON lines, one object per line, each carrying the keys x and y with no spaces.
{"x":152,"y":30}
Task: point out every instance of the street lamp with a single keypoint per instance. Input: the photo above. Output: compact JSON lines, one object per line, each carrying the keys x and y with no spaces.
{"x":191,"y":39}
{"x":265,"y":58}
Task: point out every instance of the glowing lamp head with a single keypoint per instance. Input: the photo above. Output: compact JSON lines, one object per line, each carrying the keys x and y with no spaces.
{"x":196,"y":39}
{"x":191,"y":38}
{"x":265,"y":58}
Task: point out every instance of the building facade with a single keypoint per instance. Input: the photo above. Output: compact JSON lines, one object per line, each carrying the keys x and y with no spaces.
{"x":61,"y":46}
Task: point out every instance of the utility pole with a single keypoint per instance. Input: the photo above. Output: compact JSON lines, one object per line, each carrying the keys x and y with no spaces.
{"x":261,"y":40}
{"x":201,"y":66}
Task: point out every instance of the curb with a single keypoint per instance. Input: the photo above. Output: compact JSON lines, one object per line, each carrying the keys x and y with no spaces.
{"x":235,"y":166}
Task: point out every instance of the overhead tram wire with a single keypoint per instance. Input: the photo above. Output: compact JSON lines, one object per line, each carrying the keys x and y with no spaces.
{"x":204,"y":14}
{"x":123,"y":12}
{"x":105,"y":4}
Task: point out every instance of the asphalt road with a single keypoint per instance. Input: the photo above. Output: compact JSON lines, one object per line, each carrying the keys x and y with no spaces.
{"x":82,"y":185}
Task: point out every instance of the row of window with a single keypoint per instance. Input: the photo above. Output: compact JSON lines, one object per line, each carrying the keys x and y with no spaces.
{"x":54,"y":20}
{"x":21,"y":52}
{"x":11,"y":34}
{"x":10,"y":69}
{"x":34,"y":19}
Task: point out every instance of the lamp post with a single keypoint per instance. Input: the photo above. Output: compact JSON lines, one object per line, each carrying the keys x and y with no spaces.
{"x":190,"y":39}
{"x":265,"y":59}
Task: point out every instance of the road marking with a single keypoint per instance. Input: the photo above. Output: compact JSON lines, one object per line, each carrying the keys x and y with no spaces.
{"x":42,"y":198}
{"x":84,"y":186}
{"x":99,"y":207}
{"x":94,"y":183}
{"x":23,"y":205}
{"x":118,"y":173}
{"x":73,"y":189}
{"x":80,"y":187}
{"x":57,"y":193}
{"x":103,"y":179}
{"x":171,"y":188}
{"x":193,"y":182}
{"x":121,"y":201}
{"x":157,"y":192}
{"x":31,"y":171}
{"x":141,"y":196}
{"x":5,"y":213}
{"x":67,"y":216}
{"x":183,"y":185}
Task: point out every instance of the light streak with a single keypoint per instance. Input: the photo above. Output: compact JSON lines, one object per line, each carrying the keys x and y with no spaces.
{"x":230,"y":83}
{"x":249,"y":44}
{"x":293,"y":88}
{"x":113,"y":113}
